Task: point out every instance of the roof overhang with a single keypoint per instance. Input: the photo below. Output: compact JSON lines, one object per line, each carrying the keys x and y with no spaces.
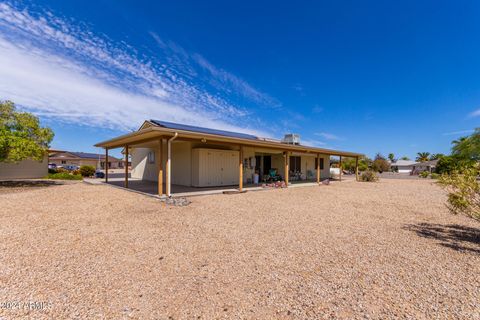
{"x":152,"y":133}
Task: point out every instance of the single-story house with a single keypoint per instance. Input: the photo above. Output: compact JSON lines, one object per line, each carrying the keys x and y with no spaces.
{"x":425,"y":166}
{"x":403,"y":166}
{"x":26,"y":169}
{"x":413,"y":167}
{"x":199,"y":157}
{"x":66,"y":158}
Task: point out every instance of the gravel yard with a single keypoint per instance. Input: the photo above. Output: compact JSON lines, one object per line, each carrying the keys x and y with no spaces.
{"x":343,"y":251}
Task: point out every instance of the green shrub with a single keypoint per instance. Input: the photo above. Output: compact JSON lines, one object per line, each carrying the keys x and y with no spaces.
{"x":423,"y":174}
{"x":369,"y":176}
{"x":449,"y":164}
{"x":87,"y":171}
{"x":380,"y":165}
{"x":61,"y":170}
{"x":463,"y":192}
{"x":64,"y":176}
{"x":52,"y":171}
{"x":434,"y":175}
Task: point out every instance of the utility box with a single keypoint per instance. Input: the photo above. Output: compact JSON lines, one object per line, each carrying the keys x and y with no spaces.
{"x":291,"y":138}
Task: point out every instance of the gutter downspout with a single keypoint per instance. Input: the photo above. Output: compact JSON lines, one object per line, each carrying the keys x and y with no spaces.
{"x":169,"y":164}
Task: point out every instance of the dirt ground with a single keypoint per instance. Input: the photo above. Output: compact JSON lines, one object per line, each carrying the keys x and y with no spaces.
{"x":344,"y":251}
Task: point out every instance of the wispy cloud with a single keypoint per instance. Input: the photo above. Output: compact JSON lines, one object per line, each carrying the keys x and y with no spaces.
{"x":60,"y":69}
{"x":328,"y":136}
{"x":455,"y":133}
{"x":313,"y":143}
{"x":474,"y":114}
{"x":317,"y":109}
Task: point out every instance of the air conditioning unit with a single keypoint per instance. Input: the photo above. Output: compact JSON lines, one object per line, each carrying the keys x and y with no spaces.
{"x":291,"y":138}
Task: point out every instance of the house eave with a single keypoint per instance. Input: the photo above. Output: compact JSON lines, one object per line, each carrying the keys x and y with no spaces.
{"x":152,"y":133}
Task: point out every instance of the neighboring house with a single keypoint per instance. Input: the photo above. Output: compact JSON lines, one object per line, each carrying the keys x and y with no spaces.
{"x":26,"y":169}
{"x":412,"y":167}
{"x":403,"y":166}
{"x":201,"y":157}
{"x":65,"y":158}
{"x":425,"y":166}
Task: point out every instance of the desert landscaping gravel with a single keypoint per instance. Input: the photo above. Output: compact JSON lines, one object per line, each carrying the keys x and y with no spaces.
{"x":344,"y":251}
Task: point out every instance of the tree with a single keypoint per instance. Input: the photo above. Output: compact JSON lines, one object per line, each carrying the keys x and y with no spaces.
{"x":391,"y":157}
{"x":349,"y":164}
{"x":422,"y":156}
{"x":450,"y":164}
{"x":436,"y":156}
{"x":468,"y":147}
{"x":380,"y":164}
{"x":21,"y":136}
{"x":405,"y":158}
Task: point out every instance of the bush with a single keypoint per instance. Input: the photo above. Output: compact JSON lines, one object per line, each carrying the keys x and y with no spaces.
{"x":61,"y":170}
{"x":87,"y":171}
{"x":449,"y":164}
{"x":434,"y":176}
{"x":423,"y":174}
{"x":369,"y":176}
{"x":464,"y":192}
{"x":381,"y":165}
{"x":52,"y":171}
{"x":64,"y":176}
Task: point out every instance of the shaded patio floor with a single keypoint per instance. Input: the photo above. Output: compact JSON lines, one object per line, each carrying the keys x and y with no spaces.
{"x":151,"y":187}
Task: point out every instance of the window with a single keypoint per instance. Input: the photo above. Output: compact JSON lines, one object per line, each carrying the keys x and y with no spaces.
{"x":64,"y":162}
{"x":321,"y":163}
{"x":295,"y":164}
{"x":151,"y":157}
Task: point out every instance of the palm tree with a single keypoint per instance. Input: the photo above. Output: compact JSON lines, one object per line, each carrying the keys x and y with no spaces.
{"x":405,"y":158}
{"x":422,"y":156}
{"x":436,"y":156}
{"x":391,"y":157}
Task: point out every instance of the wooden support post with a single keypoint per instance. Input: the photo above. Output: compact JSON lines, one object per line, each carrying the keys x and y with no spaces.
{"x":287,"y":160}
{"x":126,"y":166}
{"x":240,"y":169}
{"x":168,"y":173}
{"x":340,"y":167}
{"x":318,"y":167}
{"x":356,"y":168}
{"x":160,"y":169}
{"x":106,"y":165}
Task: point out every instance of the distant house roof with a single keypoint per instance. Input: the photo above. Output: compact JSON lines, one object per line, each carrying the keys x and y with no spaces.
{"x":186,"y":127}
{"x":403,"y":163}
{"x":80,"y":155}
{"x":431,"y":163}
{"x":406,"y":163}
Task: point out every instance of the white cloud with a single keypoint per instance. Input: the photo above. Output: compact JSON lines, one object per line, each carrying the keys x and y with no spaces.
{"x":454,"y":133}
{"x":313,"y":143}
{"x":475,"y":113}
{"x":328,"y":136}
{"x":61,"y":70}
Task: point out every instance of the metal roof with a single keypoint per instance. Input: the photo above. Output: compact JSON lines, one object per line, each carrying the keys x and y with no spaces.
{"x":179,"y":126}
{"x":404,"y":163}
{"x":82,"y":155}
{"x":158,"y":129}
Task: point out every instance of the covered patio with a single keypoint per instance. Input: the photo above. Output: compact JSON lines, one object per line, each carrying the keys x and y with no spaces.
{"x":170,"y":159}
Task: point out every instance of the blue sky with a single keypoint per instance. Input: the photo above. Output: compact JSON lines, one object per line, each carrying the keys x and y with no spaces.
{"x":366,"y":76}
